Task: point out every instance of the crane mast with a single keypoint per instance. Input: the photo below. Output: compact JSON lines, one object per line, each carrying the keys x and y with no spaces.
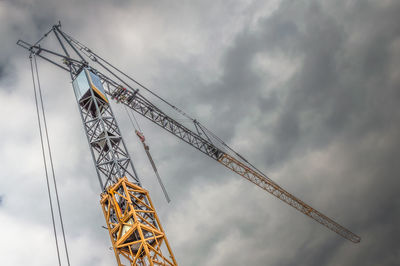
{"x":133,"y":224}
{"x":135,"y":230}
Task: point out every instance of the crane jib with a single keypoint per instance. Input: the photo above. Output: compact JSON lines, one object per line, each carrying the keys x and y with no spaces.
{"x":138,"y":104}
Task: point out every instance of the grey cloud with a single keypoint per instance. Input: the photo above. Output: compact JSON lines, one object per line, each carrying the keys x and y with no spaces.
{"x":334,"y":94}
{"x":328,"y":132}
{"x":2,"y":72}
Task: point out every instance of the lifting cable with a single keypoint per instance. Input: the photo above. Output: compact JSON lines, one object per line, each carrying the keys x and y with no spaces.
{"x":39,"y":101}
{"x":130,"y":119}
{"x":140,"y":135}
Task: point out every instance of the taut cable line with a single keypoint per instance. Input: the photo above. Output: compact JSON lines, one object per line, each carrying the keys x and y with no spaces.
{"x":45,"y":163}
{"x":51,"y":163}
{"x":39,"y":102}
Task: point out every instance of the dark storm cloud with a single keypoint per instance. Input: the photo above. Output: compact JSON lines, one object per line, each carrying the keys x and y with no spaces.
{"x":331,"y":86}
{"x":340,"y":101}
{"x":341,"y":93}
{"x":295,"y":31}
{"x":338,"y":93}
{"x":318,"y":43}
{"x":2,"y":71}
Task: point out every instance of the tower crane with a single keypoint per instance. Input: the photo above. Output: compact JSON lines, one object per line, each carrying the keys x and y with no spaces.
{"x":135,"y":230}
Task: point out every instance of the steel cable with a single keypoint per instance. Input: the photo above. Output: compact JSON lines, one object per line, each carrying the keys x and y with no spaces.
{"x":146,"y":148}
{"x":51,"y":161}
{"x":130,"y":119}
{"x":45,"y":164}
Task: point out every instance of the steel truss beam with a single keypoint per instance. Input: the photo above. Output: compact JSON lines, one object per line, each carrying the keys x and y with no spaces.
{"x":131,"y":218}
{"x":135,"y":230}
{"x":109,"y":152}
{"x":130,"y":215}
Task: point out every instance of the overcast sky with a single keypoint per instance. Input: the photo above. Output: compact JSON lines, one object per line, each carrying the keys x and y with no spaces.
{"x":307,"y":91}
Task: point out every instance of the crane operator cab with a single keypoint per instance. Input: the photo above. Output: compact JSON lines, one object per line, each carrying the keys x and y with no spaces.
{"x":87,"y":84}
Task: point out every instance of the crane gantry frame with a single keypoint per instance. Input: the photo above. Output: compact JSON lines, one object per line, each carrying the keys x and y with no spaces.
{"x":109,"y":152}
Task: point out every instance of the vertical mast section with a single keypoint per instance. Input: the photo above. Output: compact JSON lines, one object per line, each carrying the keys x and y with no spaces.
{"x":108,"y":149}
{"x":132,"y":222}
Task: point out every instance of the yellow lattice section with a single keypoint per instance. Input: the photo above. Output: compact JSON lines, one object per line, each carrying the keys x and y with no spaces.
{"x":135,"y":230}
